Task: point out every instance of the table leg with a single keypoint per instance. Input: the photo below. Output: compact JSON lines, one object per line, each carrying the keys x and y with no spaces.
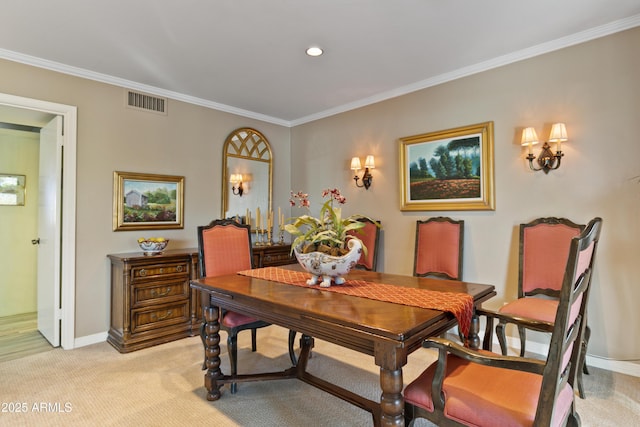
{"x":390,"y":359}
{"x":212,"y":352}
{"x":391,"y":401}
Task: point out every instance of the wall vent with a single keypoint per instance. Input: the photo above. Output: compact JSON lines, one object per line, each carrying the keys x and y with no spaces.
{"x":142,"y":101}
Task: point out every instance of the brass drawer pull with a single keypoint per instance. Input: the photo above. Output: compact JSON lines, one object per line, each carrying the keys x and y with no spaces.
{"x":154,"y":293}
{"x":155,"y":317}
{"x":162,"y":271}
{"x":143,"y":272}
{"x":179,"y":269}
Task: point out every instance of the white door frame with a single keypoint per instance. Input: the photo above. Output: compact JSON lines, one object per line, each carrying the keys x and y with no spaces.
{"x":68,"y":231}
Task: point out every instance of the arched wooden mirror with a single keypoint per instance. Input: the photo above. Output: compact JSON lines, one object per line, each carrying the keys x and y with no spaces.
{"x":247,"y":158}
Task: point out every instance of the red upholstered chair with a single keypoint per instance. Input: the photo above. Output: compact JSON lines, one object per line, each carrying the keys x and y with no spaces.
{"x":224,"y":247}
{"x":480,"y":388}
{"x":544,"y":248}
{"x":438,"y":248}
{"x":370,"y":237}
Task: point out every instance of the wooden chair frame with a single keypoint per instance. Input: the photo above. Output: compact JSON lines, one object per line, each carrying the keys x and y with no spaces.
{"x":232,"y":333}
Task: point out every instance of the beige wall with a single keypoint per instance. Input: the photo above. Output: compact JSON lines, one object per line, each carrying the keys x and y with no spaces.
{"x":187,"y":142}
{"x":593,"y":88}
{"x":19,"y":152}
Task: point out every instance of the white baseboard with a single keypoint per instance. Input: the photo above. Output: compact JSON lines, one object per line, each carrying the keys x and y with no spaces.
{"x":90,"y":339}
{"x":620,"y":366}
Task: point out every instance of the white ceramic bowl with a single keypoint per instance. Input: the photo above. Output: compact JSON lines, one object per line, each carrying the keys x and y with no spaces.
{"x":330,"y":268}
{"x":153,"y":247}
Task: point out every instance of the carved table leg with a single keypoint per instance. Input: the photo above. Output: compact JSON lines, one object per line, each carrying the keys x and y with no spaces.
{"x":212,"y":352}
{"x":391,"y":401}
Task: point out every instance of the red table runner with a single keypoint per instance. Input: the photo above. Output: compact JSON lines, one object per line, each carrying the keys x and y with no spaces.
{"x":459,"y":304}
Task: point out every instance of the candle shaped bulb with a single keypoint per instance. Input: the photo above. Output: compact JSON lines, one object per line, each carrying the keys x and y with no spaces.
{"x":529,"y":138}
{"x":558,"y":135}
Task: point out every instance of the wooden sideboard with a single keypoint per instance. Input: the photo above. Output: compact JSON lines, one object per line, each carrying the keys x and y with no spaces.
{"x":271,"y":256}
{"x":151,"y":300}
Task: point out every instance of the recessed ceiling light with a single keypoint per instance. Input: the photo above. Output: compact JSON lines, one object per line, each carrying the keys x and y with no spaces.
{"x":314,"y":51}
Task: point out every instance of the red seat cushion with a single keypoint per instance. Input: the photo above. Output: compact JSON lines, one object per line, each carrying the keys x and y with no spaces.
{"x":532,"y":307}
{"x":232,"y":319}
{"x":479,"y":395}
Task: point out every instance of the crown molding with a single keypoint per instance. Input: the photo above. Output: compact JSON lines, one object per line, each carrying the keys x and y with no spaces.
{"x":151,"y":90}
{"x":540,"y":49}
{"x":577,"y":38}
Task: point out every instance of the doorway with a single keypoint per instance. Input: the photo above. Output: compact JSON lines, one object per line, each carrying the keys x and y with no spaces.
{"x":12,"y":106}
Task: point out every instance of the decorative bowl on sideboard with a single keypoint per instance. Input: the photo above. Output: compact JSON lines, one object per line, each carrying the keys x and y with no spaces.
{"x":153,"y":245}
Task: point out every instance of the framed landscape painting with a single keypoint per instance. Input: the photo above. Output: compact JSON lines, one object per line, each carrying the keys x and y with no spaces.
{"x":448,"y":170}
{"x":147,"y":201}
{"x":12,"y":189}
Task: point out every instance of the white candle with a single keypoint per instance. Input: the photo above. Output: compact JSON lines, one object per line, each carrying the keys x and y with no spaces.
{"x":258,"y":219}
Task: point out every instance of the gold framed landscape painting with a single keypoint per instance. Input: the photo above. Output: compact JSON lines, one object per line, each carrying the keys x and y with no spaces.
{"x":448,"y":170}
{"x":143,"y":201}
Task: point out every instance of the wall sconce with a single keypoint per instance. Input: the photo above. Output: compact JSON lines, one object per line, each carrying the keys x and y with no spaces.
{"x":236,"y":179}
{"x":369,"y":163}
{"x":547,"y":160}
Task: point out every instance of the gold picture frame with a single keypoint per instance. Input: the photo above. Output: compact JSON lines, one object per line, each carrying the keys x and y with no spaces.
{"x":448,"y":170}
{"x":143,"y":201}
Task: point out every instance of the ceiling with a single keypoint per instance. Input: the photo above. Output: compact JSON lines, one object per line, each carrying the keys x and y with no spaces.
{"x":248,"y":57}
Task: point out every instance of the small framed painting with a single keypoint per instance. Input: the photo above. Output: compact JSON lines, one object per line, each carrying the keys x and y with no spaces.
{"x":147,"y":201}
{"x":12,"y":188}
{"x":448,"y":170}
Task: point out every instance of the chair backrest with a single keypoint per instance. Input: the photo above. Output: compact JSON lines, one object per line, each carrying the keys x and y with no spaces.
{"x":543,"y":253}
{"x":224,"y":247}
{"x":559,"y":376}
{"x":370,"y":237}
{"x":438,"y":248}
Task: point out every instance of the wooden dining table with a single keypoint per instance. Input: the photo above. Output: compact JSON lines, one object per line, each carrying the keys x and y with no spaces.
{"x":385,"y":330}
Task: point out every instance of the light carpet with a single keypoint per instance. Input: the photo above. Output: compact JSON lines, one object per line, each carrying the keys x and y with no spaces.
{"x":163,"y":386}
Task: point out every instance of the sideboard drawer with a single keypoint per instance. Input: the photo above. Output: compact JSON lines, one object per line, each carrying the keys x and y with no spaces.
{"x":271,"y":256}
{"x":158,"y":271}
{"x":160,"y":292}
{"x":270,"y":259}
{"x":156,"y":317}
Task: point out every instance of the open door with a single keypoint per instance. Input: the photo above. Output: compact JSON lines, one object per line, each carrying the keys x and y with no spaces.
{"x":49,"y":231}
